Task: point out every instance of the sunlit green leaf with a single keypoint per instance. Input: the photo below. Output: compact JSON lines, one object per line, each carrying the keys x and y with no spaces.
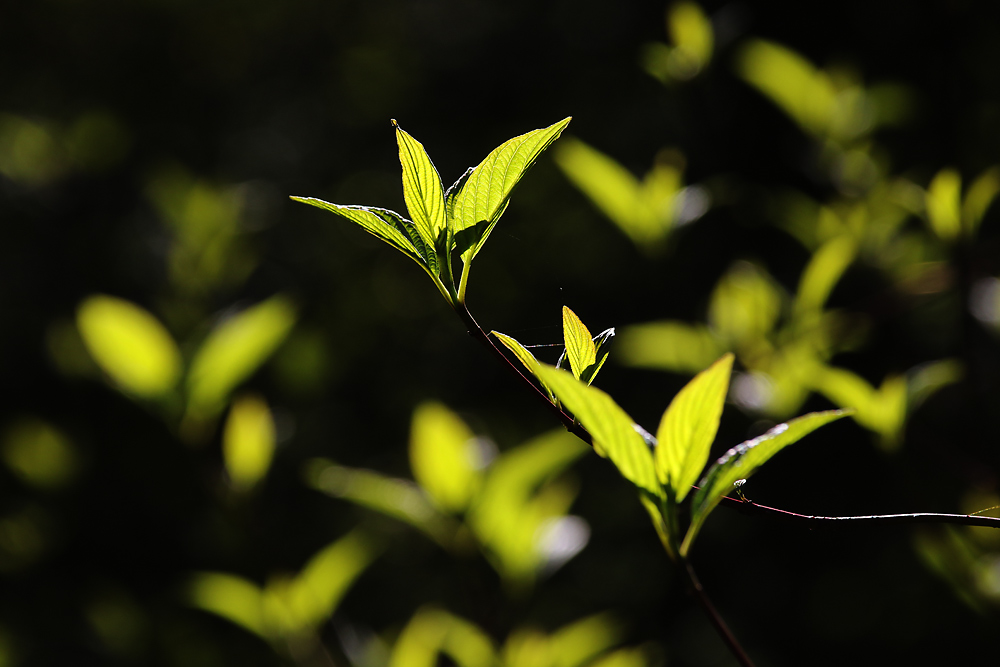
{"x":523,"y":355}
{"x":486,"y":192}
{"x":39,"y":453}
{"x":578,"y":643}
{"x":130,"y":345}
{"x":422,"y":188}
{"x":443,"y":456}
{"x":926,"y":379}
{"x":248,"y":442}
{"x":315,"y":593}
{"x":688,"y":427}
{"x":671,"y":346}
{"x":691,"y":32}
{"x":644,"y":211}
{"x":432,"y":631}
{"x":741,"y":461}
{"x":980,"y":195}
{"x":793,"y":83}
{"x":611,"y":427}
{"x":519,"y":497}
{"x":745,"y":305}
{"x":944,"y":204}
{"x":579,"y":345}
{"x":398,"y":498}
{"x":234,"y":350}
{"x":231,"y":597}
{"x":882,"y":411}
{"x":822,"y":273}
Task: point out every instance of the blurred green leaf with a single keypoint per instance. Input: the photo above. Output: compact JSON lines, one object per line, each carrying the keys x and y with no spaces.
{"x":745,"y":305}
{"x":233,"y":351}
{"x":927,"y":378}
{"x":579,"y":345}
{"x":677,"y":347}
{"x":432,"y":631}
{"x":130,"y":345}
{"x":519,"y":497}
{"x":231,"y":597}
{"x":978,"y":199}
{"x":400,"y":499}
{"x":422,"y":188}
{"x":579,"y":642}
{"x":644,"y":211}
{"x":39,"y":453}
{"x":688,"y":428}
{"x":612,"y":429}
{"x":882,"y":411}
{"x":443,"y":457}
{"x":820,"y":276}
{"x":943,"y":202}
{"x":742,"y":461}
{"x":248,"y":442}
{"x":287,"y":608}
{"x":793,"y":83}
{"x":691,"y":33}
{"x":486,"y":191}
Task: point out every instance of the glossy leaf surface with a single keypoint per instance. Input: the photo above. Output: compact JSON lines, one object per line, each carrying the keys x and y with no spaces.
{"x":422,"y":188}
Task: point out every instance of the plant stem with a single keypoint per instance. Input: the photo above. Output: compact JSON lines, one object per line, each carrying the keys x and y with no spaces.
{"x":720,"y":625}
{"x":479,"y":334}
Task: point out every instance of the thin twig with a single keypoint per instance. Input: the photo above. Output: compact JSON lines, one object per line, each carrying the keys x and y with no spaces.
{"x":720,"y":625}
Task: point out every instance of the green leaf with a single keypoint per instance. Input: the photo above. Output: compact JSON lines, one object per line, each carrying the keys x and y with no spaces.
{"x":672,"y":346}
{"x":943,"y":201}
{"x":821,"y":275}
{"x":234,"y":350}
{"x":579,"y":345}
{"x":231,"y":597}
{"x":486,"y":191}
{"x":741,"y":461}
{"x":441,"y":455}
{"x":611,"y":427}
{"x":130,"y":345}
{"x":422,"y":188}
{"x":524,"y":356}
{"x":248,"y":442}
{"x":387,"y":225}
{"x":688,"y":427}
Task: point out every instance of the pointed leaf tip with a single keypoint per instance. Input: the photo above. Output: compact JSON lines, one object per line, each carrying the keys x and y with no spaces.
{"x":689,"y":425}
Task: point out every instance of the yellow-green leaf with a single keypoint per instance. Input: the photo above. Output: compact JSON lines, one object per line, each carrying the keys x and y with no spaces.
{"x":231,"y":597}
{"x":943,"y":203}
{"x":234,"y":350}
{"x":688,"y":427}
{"x":130,"y":345}
{"x":442,"y":457}
{"x":611,"y":427}
{"x":580,"y":347}
{"x":523,"y":355}
{"x":673,"y":346}
{"x":422,"y":188}
{"x":486,"y":192}
{"x":248,"y":442}
{"x":741,"y":461}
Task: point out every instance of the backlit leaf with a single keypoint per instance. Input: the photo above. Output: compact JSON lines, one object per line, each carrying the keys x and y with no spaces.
{"x":943,"y":204}
{"x":688,"y":427}
{"x":248,"y":441}
{"x":978,"y":198}
{"x":610,"y":426}
{"x":486,"y":192}
{"x":523,"y":355}
{"x":387,"y":225}
{"x":442,"y":456}
{"x":741,"y":461}
{"x":673,"y":346}
{"x":130,"y":345}
{"x":822,"y":273}
{"x":422,"y":189}
{"x":231,"y":597}
{"x":234,"y":350}
{"x":579,"y":345}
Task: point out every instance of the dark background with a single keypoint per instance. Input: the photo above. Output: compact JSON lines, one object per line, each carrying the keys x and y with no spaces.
{"x":294,"y":98}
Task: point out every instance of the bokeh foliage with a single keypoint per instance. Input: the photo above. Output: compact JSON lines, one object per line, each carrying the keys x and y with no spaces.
{"x":188,"y":352}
